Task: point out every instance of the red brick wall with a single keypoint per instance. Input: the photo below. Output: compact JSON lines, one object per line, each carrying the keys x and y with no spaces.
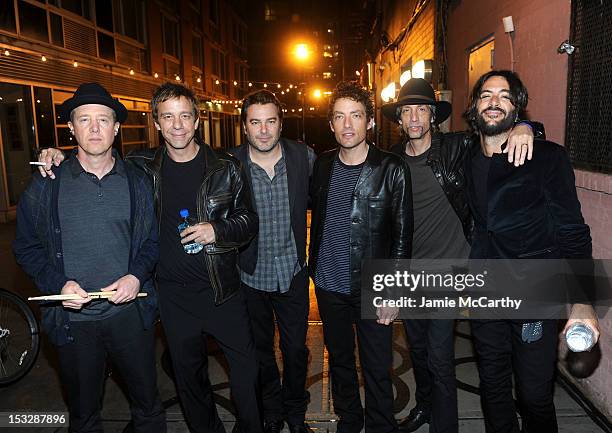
{"x":417,"y":45}
{"x":540,"y":27}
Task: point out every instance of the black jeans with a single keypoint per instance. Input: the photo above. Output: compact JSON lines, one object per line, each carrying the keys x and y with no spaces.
{"x":339,"y":313}
{"x":499,"y":346}
{"x":290,"y":401}
{"x":131,"y":350}
{"x":432,"y":352}
{"x":188,"y":317}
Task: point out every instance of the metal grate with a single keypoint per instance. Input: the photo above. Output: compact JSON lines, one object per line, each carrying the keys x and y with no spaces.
{"x":589,"y":117}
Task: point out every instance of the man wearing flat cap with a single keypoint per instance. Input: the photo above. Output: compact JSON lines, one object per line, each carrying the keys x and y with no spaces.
{"x":442,"y":228}
{"x":92,"y":230}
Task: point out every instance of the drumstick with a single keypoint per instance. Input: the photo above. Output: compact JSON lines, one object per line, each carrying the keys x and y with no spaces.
{"x":74,"y":296}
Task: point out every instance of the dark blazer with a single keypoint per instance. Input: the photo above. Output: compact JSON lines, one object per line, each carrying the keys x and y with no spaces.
{"x":381,"y":214}
{"x":38,"y":246}
{"x":299,"y":159}
{"x":533,"y":210}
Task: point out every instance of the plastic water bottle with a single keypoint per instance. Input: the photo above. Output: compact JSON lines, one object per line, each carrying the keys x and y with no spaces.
{"x":191,"y":247}
{"x":579,"y":337}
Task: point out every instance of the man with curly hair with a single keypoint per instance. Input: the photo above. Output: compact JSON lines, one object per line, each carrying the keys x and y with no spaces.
{"x":361,"y":209}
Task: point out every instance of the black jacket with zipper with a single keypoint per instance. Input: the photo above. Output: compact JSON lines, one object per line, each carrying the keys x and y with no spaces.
{"x":381,"y":211}
{"x":224,"y":201}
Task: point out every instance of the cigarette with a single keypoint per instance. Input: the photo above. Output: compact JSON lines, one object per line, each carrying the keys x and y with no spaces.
{"x":41,"y":164}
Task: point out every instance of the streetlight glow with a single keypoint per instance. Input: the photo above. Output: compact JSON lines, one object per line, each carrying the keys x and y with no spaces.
{"x":301,"y":51}
{"x":317,"y":93}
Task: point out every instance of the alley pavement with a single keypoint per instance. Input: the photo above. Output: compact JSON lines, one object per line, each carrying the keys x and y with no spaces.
{"x":40,"y":390}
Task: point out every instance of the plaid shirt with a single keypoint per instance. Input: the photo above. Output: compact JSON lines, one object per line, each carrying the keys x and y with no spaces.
{"x":277,"y":260}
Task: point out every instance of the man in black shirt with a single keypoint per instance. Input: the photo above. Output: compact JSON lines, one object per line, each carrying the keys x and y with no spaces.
{"x":530,"y":211}
{"x":442,"y":222}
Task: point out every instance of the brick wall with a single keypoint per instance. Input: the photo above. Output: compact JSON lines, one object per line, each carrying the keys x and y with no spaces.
{"x":417,"y":45}
{"x":540,"y":27}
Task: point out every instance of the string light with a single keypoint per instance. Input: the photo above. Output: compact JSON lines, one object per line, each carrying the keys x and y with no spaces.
{"x":216,"y":81}
{"x":43,"y":58}
{"x":177,"y":78}
{"x":131,"y":72}
{"x":156,"y":75}
{"x":250,"y":84}
{"x":265,"y":85}
{"x":199,"y":80}
{"x":75,"y":64}
{"x":7,"y":53}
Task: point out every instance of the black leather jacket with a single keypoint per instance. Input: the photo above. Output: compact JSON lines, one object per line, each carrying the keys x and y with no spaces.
{"x":225,"y":202}
{"x":446,"y":161}
{"x":381,"y":214}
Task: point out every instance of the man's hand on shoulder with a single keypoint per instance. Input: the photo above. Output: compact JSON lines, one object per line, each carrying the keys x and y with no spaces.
{"x":520,"y":144}
{"x":50,"y":156}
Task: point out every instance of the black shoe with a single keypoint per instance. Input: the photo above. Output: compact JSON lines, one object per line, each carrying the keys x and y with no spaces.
{"x":299,"y":428}
{"x":273,"y":426}
{"x":416,"y":418}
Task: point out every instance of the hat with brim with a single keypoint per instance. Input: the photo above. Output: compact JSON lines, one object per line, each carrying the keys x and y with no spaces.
{"x":417,"y":91}
{"x":92,"y":93}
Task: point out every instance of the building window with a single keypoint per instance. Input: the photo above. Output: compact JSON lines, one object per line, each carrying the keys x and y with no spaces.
{"x":45,"y":125}
{"x":7,"y":16}
{"x":269,"y":12}
{"x":196,"y":49}
{"x":129,"y":19}
{"x":104,"y":15}
{"x":57,"y":30}
{"x":33,"y":21}
{"x":214,"y":12}
{"x":170,"y":35}
{"x":106,"y":46}
{"x":78,"y":7}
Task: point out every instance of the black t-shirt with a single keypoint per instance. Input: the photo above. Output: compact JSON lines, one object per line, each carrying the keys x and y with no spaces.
{"x":180,"y":182}
{"x":480,"y":175}
{"x":438,"y":232}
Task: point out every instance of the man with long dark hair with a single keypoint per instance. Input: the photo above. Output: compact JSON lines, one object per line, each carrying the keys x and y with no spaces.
{"x":536,"y":207}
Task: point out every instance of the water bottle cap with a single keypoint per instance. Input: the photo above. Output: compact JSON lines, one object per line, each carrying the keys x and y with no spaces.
{"x":184,"y":213}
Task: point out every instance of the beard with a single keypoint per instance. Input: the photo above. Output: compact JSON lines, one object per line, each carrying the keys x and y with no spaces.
{"x":493,"y":129}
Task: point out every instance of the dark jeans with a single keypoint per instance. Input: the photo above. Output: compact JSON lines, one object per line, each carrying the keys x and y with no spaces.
{"x":188,"y":317}
{"x":290,"y":401}
{"x":339,"y":313}
{"x":500,"y":348}
{"x":432,"y":352}
{"x":131,"y":350}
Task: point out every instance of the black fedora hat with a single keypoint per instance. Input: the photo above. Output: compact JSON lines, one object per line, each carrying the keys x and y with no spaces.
{"x":417,"y":91}
{"x":92,"y":93}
